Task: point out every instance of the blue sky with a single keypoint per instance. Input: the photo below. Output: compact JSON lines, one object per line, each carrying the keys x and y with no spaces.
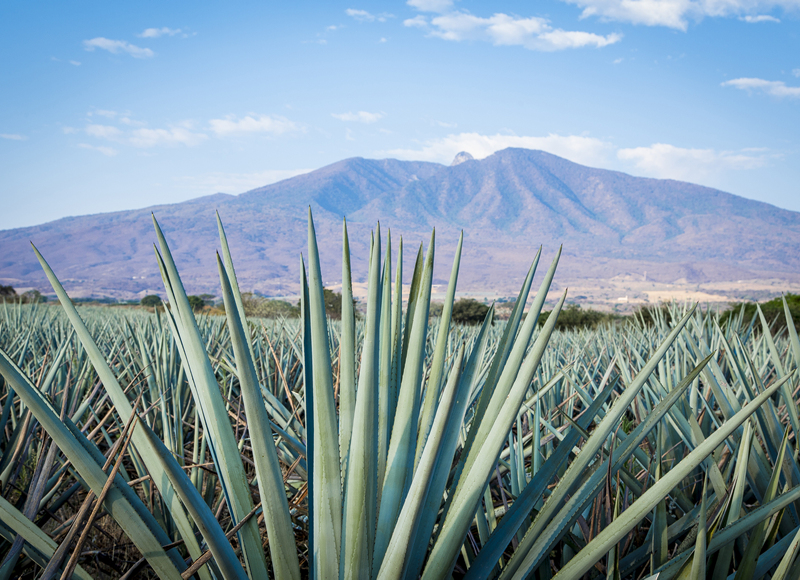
{"x":109,"y":105}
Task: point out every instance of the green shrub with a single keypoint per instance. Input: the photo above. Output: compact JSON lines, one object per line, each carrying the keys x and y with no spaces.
{"x":33,"y":297}
{"x":573,"y":317}
{"x":469,"y":311}
{"x":772,"y":309}
{"x":196,"y":303}
{"x":151,"y":301}
{"x":260,"y":307}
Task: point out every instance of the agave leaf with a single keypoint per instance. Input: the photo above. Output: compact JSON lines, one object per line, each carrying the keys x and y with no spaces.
{"x":208,"y":525}
{"x":526,"y":556}
{"x":749,"y":561}
{"x":123,"y":407}
{"x":347,"y":356}
{"x":324,"y":437}
{"x":398,"y":557}
{"x":794,"y":341}
{"x":444,"y":461}
{"x":586,"y":558}
{"x":786,"y":391}
{"x":268,"y":470}
{"x":402,"y":444}
{"x":473,"y":481}
{"x":781,"y":573}
{"x":726,"y":553}
{"x":385,"y":374}
{"x":35,"y":538}
{"x":121,"y":502}
{"x":361,"y":493}
{"x":439,"y":353}
{"x":695,"y":568}
{"x":308,"y":400}
{"x":507,"y":528}
{"x":213,"y":411}
{"x":660,"y":550}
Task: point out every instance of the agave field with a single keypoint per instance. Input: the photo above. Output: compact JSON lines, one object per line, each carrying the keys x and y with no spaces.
{"x":141,"y":445}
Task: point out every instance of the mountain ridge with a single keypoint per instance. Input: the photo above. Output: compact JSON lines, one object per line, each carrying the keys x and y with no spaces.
{"x":612,"y":224}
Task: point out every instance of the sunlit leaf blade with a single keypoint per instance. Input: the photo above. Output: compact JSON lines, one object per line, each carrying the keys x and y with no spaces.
{"x":327,"y":490}
{"x":217,"y":427}
{"x":269,"y":476}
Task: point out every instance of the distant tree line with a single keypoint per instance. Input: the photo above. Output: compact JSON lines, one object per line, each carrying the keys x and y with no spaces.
{"x":8,"y":293}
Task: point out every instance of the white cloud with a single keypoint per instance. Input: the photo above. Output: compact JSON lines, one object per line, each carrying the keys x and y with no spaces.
{"x":75,"y":63}
{"x":364,"y":16}
{"x":238,"y":182}
{"x":171,"y":136}
{"x":107,"y":151}
{"x":252,"y":123}
{"x":796,"y":72}
{"x":103,"y":131}
{"x":359,"y":117}
{"x":382,"y":39}
{"x":416,"y":22}
{"x":156,"y":32}
{"x":758,"y":18}
{"x":117,"y":46}
{"x":677,"y":13}
{"x":431,"y":5}
{"x":665,"y":161}
{"x":577,"y":148}
{"x":660,"y":160}
{"x":772,"y":88}
{"x":145,"y":138}
{"x":13,"y":136}
{"x":503,"y":30}
{"x":128,"y":121}
{"x":103,"y":113}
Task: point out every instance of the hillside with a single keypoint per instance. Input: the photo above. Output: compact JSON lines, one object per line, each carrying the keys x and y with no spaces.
{"x":613,"y":226}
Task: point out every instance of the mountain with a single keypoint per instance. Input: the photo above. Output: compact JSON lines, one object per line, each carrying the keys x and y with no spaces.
{"x":613,"y":226}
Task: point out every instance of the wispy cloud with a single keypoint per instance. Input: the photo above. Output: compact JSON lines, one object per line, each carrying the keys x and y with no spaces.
{"x":103,"y":113}
{"x":173,"y":136}
{"x":364,"y":16}
{"x":157,"y":32}
{"x":145,"y":137}
{"x":359,"y":117}
{"x":665,"y":161}
{"x":772,"y":88}
{"x":117,"y":46}
{"x":107,"y":151}
{"x":796,"y":72}
{"x":13,"y":136}
{"x":431,"y":5}
{"x":252,"y":123}
{"x":533,"y":33}
{"x":103,"y":131}
{"x":758,"y":18}
{"x":578,"y":148}
{"x":677,"y":13}
{"x":75,"y":63}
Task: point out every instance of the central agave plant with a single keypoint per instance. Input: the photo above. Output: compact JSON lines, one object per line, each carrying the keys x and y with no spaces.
{"x":388,"y":460}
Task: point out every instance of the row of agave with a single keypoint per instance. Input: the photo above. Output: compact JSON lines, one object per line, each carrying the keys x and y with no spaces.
{"x":396,"y":447}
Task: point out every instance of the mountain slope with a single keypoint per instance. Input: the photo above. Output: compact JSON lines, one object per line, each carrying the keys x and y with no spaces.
{"x":508,"y":204}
